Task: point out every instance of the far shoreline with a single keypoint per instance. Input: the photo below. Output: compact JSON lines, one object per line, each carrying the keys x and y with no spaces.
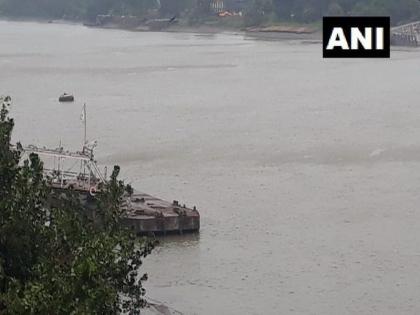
{"x":316,"y":35}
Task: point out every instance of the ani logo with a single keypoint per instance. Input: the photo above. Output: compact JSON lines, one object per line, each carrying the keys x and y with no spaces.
{"x":356,"y":37}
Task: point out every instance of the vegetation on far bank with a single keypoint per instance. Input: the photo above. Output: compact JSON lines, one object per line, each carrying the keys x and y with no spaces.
{"x":254,"y":12}
{"x":55,"y":257}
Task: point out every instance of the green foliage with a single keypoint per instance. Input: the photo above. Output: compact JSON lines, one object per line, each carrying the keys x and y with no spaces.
{"x":400,"y":11}
{"x":334,"y":9}
{"x":311,"y":10}
{"x":256,"y":11}
{"x":55,"y":256}
{"x":75,"y":9}
{"x":174,"y":8}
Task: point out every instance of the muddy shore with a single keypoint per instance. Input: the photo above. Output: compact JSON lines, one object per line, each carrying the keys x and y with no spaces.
{"x":268,"y":33}
{"x":272,"y":32}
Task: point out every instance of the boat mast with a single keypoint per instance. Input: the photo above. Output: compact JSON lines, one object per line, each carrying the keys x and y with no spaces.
{"x":89,"y":172}
{"x":84,"y":118}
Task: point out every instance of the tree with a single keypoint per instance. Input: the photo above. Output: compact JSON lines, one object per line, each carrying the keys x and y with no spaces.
{"x":257,"y":12}
{"x":334,"y":9}
{"x":55,"y":257}
{"x":171,"y":7}
{"x":283,"y":8}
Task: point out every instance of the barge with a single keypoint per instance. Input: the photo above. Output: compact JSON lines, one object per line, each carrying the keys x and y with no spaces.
{"x":146,"y":214}
{"x":141,"y":212}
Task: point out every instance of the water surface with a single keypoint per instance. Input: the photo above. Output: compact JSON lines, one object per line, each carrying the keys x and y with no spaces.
{"x":306,"y":171}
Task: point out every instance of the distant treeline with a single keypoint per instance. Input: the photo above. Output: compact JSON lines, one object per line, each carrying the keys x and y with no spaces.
{"x":255,"y":11}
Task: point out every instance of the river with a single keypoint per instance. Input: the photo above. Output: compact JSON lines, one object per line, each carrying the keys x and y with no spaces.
{"x":305,"y":171}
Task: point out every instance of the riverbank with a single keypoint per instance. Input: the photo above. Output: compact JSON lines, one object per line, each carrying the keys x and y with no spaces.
{"x":270,"y":32}
{"x":211,"y":25}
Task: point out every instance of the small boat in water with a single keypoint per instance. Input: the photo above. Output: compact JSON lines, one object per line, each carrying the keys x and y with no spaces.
{"x":66,"y":98}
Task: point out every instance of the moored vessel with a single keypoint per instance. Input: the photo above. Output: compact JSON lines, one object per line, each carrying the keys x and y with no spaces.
{"x":142,"y":213}
{"x":66,"y":98}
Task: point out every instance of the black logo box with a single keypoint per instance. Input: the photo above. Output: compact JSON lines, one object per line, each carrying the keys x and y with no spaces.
{"x":329,"y":23}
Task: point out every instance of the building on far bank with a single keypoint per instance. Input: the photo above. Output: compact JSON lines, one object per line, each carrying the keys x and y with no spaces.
{"x":234,"y":6}
{"x":217,"y":6}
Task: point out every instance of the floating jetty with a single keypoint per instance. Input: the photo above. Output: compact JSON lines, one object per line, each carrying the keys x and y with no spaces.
{"x":406,"y":35}
{"x":146,"y":214}
{"x":142,"y":213}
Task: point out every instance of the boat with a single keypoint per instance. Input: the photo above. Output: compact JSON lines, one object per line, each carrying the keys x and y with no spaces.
{"x":142,"y":213}
{"x":66,"y":98}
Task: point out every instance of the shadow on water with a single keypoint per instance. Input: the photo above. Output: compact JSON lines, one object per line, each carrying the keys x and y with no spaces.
{"x":185,"y":240}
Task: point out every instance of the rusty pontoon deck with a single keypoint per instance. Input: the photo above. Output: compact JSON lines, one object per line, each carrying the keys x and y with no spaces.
{"x":142,"y":213}
{"x":146,"y":214}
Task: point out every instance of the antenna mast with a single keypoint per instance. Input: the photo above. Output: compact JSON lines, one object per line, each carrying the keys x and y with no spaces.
{"x":85,"y":121}
{"x":83,"y":118}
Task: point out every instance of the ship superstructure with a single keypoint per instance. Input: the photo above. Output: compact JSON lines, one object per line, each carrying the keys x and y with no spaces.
{"x":143,"y":213}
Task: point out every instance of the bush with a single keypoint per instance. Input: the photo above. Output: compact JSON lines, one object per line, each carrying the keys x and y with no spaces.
{"x":54,"y":257}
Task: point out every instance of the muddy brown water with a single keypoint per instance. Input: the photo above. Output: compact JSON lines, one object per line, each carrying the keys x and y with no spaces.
{"x":306,"y":171}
